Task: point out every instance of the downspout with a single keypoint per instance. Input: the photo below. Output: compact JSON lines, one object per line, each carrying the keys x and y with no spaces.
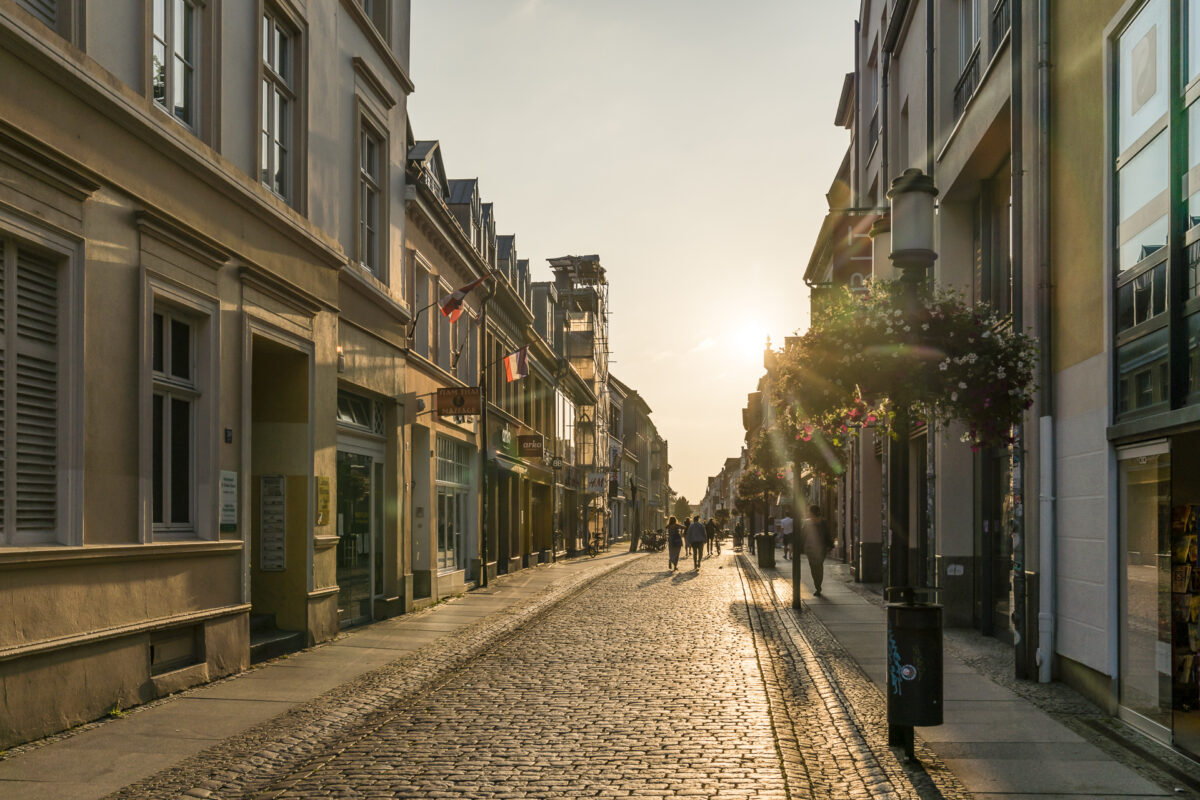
{"x":929,"y":88}
{"x":1047,"y":549}
{"x":856,"y":187}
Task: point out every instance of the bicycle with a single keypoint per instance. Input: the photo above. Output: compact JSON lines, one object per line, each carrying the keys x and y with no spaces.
{"x":592,"y":550}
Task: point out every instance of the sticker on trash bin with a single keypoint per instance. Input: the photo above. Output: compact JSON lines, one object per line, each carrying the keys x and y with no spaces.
{"x":908,"y":672}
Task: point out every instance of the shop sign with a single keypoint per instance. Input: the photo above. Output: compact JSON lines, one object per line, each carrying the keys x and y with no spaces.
{"x":530,"y":446}
{"x":322,"y":500}
{"x":597,"y":482}
{"x":458,"y":401}
{"x":228,"y":501}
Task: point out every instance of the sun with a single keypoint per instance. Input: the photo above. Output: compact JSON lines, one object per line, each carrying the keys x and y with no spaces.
{"x":748,"y":339}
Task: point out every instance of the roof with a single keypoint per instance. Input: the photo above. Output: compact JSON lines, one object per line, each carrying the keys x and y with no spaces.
{"x":844,"y":116}
{"x":421,"y":150}
{"x":487,"y":212}
{"x":504,"y":246}
{"x":462,"y":190}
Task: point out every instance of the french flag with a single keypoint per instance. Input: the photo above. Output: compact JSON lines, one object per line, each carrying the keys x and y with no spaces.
{"x":451,"y":305}
{"x":516,"y":365}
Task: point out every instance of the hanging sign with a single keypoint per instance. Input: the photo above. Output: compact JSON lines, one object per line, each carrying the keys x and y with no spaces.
{"x":458,"y":401}
{"x":597,"y":482}
{"x":531,"y":445}
{"x":272,"y":540}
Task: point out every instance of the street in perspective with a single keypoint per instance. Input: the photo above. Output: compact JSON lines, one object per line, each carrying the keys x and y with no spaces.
{"x":775,"y":400}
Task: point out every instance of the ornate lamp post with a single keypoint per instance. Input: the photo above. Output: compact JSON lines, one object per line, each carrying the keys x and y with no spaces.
{"x":914,"y":630}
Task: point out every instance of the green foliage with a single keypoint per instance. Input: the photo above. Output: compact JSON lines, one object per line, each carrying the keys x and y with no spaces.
{"x":722,"y":517}
{"x":682,"y":508}
{"x":869,"y":354}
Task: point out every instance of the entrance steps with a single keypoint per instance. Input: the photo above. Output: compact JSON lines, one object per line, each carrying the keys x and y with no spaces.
{"x":268,"y":641}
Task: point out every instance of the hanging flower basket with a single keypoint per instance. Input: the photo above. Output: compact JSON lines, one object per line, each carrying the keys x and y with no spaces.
{"x":868,"y":354}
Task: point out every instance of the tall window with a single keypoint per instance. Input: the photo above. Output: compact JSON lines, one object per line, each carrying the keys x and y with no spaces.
{"x":968,"y":30}
{"x":29,"y":397}
{"x":370,"y":182}
{"x":1143,"y":178}
{"x":173,"y":449}
{"x":173,"y":57}
{"x":376,"y":11}
{"x":278,"y":107}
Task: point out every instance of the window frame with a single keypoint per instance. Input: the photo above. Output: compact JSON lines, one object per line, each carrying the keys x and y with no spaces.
{"x":369,"y":125}
{"x":202,"y":314}
{"x":287,"y":21}
{"x":169,"y":45}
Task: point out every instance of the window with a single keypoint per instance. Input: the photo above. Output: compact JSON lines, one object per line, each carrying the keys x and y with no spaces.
{"x":30,"y":295}
{"x":370,"y":197}
{"x":376,"y":11}
{"x":968,"y":30}
{"x":173,"y":436}
{"x":277,"y":152}
{"x":173,"y":57}
{"x":420,"y":344}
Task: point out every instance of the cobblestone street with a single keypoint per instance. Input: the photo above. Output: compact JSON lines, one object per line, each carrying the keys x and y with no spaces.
{"x":643,"y":683}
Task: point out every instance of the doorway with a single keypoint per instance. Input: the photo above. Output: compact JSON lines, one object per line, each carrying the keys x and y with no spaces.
{"x":993,"y":544}
{"x":360,"y":547}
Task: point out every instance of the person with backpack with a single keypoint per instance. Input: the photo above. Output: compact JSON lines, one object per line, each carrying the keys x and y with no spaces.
{"x":674,"y":543}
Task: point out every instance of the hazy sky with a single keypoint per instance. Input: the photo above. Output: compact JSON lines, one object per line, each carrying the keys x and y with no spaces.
{"x":689,"y":143}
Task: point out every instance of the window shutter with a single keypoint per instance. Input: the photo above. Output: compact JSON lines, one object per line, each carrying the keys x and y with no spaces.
{"x":45,"y":10}
{"x":36,"y":393}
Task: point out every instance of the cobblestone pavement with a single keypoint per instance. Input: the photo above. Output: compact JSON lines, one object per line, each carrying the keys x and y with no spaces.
{"x":643,"y":683}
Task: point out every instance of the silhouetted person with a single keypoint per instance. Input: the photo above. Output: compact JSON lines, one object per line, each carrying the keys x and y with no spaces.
{"x":817,"y":544}
{"x":696,"y":536}
{"x":674,"y":543}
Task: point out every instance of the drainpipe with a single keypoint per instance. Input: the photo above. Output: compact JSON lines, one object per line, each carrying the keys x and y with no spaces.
{"x":929,"y":87}
{"x":1047,"y":548}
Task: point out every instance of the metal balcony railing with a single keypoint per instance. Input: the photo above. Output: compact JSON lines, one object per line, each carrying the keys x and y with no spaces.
{"x":1001,"y":22}
{"x":968,"y":82}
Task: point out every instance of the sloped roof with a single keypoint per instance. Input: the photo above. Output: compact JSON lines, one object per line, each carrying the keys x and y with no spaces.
{"x":487,"y":212}
{"x":421,"y":150}
{"x":462,"y":190}
{"x":504,"y":246}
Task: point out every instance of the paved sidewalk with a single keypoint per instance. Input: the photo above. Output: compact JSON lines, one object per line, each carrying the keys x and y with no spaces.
{"x":102,"y":757}
{"x":997,"y":743}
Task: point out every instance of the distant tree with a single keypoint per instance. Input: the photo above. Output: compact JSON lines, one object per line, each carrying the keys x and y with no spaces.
{"x":721,"y":517}
{"x":682,"y":508}
{"x":765,"y":474}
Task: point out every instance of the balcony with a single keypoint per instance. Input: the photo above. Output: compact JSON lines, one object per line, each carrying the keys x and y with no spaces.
{"x":968,"y":82}
{"x":1001,"y":22}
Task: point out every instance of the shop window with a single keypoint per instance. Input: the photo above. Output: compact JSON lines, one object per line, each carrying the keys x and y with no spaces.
{"x":454,"y":470}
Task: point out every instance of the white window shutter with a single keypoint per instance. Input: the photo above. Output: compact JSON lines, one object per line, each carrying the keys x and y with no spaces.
{"x":36,"y":396}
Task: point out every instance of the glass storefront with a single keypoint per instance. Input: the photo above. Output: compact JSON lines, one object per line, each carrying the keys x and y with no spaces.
{"x":454,"y":461}
{"x":360,"y":526}
{"x":1160,"y":588}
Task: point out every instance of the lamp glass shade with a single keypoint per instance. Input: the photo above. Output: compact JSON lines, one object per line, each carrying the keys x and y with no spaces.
{"x":881,"y":251}
{"x":912,"y":221}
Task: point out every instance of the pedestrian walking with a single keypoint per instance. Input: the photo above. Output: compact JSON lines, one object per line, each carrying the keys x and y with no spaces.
{"x":785,"y":530}
{"x":674,"y":543}
{"x":710,"y":534}
{"x":739,"y":535}
{"x":696,"y":536}
{"x":817,"y":544}
{"x":750,"y":539}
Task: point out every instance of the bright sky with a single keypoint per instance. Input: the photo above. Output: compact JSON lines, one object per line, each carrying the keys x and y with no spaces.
{"x":689,"y":143}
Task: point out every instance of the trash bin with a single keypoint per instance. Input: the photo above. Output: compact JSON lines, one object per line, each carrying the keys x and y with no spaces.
{"x":766,"y":549}
{"x":914,"y":664}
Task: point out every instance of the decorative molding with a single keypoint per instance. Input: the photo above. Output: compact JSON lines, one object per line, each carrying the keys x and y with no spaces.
{"x":326,"y":591}
{"x":370,"y":287}
{"x":60,"y":556}
{"x":364,"y":71}
{"x":290,"y":295}
{"x":379,"y":44}
{"x":42,"y":164}
{"x":182,"y":237}
{"x":43,"y":646}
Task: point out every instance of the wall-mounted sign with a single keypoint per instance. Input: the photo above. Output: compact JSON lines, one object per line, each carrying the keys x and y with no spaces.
{"x":458,"y":401}
{"x":229,"y":509}
{"x":530,"y":446}
{"x":272,"y":538}
{"x":597,"y":482}
{"x":322,"y":500}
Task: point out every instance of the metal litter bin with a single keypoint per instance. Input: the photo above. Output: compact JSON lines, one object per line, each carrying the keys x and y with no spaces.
{"x":766,"y":550}
{"x":914,"y":663}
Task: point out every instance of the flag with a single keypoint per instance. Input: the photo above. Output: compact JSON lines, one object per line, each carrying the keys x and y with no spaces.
{"x":516,"y":365}
{"x":451,"y":304}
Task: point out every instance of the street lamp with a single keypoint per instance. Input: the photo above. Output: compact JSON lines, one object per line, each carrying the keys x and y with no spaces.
{"x":914,"y":630}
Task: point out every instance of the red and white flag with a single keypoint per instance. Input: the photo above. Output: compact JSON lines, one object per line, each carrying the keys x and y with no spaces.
{"x":451,"y":304}
{"x":516,"y":365}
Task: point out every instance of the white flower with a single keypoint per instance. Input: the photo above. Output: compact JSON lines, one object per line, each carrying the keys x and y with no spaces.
{"x":954,"y":395}
{"x":1000,"y":373}
{"x":986,"y":334}
{"x":962,"y":385}
{"x":924,"y":326}
{"x":945,"y":365}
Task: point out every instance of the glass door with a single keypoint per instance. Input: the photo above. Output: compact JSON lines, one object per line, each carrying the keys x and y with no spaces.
{"x":360,"y":528}
{"x":1145,"y":528}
